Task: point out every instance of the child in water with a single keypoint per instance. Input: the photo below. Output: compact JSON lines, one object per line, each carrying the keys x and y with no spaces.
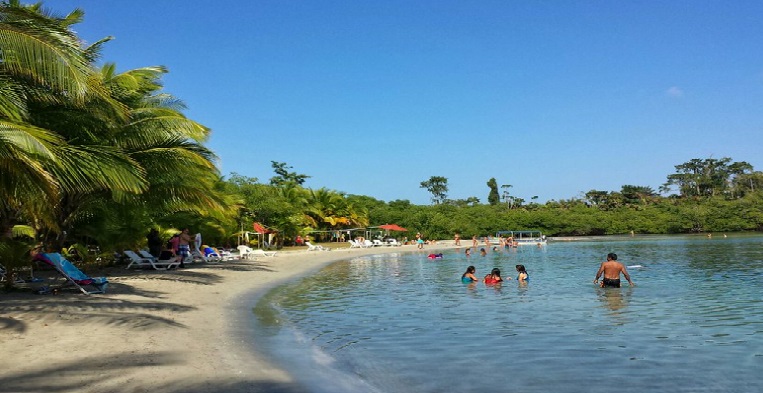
{"x":468,"y":276}
{"x":483,"y":252}
{"x":522,"y":276}
{"x":494,"y":277}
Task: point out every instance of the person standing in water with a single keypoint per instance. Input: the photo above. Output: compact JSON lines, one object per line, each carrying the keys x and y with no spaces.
{"x":611,"y":270}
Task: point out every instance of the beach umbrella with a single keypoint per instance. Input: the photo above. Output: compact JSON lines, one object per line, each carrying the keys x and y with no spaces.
{"x":392,"y":227}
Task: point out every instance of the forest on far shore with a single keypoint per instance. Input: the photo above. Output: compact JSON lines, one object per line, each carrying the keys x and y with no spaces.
{"x":703,"y":195}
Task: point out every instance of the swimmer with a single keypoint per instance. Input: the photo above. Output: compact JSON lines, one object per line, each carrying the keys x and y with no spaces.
{"x":468,"y":251}
{"x":483,"y":252}
{"x":494,"y":277}
{"x":522,"y":276}
{"x":468,"y":276}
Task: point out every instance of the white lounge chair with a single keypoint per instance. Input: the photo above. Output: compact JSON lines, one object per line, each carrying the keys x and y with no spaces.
{"x":212,"y":255}
{"x":225,"y":255}
{"x":138,"y":261}
{"x":367,"y":243}
{"x":262,"y":253}
{"x":379,"y":243}
{"x":311,"y":247}
{"x":246,"y":252}
{"x":146,"y":254}
{"x":354,"y":244}
{"x":198,"y":256}
{"x":394,"y":243}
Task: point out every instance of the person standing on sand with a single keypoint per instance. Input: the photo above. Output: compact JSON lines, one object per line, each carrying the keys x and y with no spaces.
{"x":419,"y":241}
{"x":154,"y":242}
{"x":611,"y":270}
{"x":184,"y":246}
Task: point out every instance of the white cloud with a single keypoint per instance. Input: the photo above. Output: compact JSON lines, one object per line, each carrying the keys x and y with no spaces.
{"x":674,"y":91}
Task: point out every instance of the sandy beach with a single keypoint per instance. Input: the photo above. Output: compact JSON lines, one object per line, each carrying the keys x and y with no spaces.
{"x":154,"y":331}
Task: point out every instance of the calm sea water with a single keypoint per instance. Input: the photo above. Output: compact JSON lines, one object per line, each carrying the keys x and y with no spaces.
{"x":404,"y":323}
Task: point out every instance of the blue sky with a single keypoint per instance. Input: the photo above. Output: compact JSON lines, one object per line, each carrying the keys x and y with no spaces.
{"x":555,"y":98}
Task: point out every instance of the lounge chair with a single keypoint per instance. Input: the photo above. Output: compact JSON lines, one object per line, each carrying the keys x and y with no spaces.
{"x":4,"y":275}
{"x":311,"y":247}
{"x":225,"y":255}
{"x":379,"y":243}
{"x":72,"y":274}
{"x":262,"y":253}
{"x":354,"y":244}
{"x":245,"y":252}
{"x":198,"y":256}
{"x":367,"y":244}
{"x":169,"y":259}
{"x":212,"y":255}
{"x":146,"y":254}
{"x":394,"y":242}
{"x":143,"y":262}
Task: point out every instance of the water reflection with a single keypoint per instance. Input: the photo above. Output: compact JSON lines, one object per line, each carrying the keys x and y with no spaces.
{"x":615,"y":301}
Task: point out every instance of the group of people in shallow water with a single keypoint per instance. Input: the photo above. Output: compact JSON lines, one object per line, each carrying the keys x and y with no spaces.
{"x":494,"y":277}
{"x":611,"y":269}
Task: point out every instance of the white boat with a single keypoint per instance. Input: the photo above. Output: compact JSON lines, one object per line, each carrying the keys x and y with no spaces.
{"x":524,"y":238}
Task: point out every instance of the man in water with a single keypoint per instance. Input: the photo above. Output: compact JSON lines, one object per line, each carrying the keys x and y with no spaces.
{"x":611,"y":270}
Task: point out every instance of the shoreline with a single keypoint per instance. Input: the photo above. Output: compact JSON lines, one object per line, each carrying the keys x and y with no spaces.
{"x":178,"y":331}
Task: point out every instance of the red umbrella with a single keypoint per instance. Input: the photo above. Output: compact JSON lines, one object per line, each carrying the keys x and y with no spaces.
{"x":392,"y":227}
{"x":259,"y":228}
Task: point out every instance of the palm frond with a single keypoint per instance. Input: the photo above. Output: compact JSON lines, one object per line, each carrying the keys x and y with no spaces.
{"x":89,"y":168}
{"x":43,"y":51}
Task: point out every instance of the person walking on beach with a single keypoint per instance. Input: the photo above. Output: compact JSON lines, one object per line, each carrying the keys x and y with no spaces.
{"x":611,"y":270}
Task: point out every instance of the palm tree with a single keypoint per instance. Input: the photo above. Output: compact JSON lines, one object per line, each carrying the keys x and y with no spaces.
{"x":76,"y":143}
{"x":46,"y":72}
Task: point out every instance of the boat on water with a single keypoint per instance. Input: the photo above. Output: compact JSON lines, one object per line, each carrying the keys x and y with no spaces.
{"x":524,"y":238}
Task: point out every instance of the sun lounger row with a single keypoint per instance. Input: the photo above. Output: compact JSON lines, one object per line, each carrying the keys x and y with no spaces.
{"x":147,"y":260}
{"x":374,"y":243}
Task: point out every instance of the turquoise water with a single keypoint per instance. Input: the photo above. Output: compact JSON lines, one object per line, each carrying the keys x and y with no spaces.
{"x":404,"y":323}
